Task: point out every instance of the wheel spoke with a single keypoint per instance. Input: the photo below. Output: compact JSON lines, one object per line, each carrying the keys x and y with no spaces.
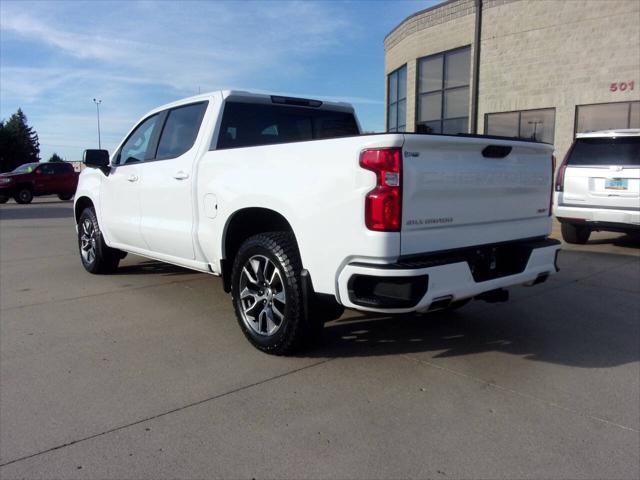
{"x":249,"y":276}
{"x":257,"y":270}
{"x":278,"y":313}
{"x":247,"y":292}
{"x":280,"y":296}
{"x":274,"y":275}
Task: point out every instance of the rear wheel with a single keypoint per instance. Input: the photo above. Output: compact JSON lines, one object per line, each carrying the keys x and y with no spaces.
{"x":572,"y":233}
{"x":95,"y":255}
{"x":23,"y":195}
{"x":4,"y":199}
{"x":65,"y":196}
{"x":267,"y":293}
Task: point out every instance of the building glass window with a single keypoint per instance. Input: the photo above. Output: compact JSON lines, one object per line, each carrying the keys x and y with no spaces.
{"x":443,"y":92}
{"x":607,"y":116}
{"x":397,"y":100}
{"x":538,"y":125}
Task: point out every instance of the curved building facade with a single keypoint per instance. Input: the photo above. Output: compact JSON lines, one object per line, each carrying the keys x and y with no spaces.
{"x":541,"y":69}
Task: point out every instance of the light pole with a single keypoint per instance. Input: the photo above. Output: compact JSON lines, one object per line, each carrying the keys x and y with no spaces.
{"x":535,"y":124}
{"x":98,"y":102}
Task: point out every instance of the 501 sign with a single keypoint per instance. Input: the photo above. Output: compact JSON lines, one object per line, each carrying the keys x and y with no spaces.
{"x":621,"y":86}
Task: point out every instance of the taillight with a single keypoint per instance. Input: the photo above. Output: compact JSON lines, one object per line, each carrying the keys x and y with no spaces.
{"x":560,"y":174}
{"x":553,"y":170}
{"x":383,"y":204}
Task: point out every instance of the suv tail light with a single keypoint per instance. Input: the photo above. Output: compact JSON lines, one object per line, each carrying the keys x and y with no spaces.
{"x":553,"y":171}
{"x":383,"y":204}
{"x":560,"y":174}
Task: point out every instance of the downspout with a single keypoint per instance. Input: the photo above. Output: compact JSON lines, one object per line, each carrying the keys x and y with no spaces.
{"x":476,"y":67}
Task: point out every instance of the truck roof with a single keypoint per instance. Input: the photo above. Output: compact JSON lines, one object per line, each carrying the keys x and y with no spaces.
{"x":622,"y":132}
{"x":253,"y":97}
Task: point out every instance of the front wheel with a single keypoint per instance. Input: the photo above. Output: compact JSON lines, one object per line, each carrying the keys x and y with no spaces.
{"x":65,"y":196}
{"x":23,"y":196}
{"x":95,"y":255}
{"x":267,"y":293}
{"x":572,"y":233}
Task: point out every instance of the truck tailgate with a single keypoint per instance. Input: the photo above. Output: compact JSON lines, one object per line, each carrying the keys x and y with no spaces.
{"x":465,"y":191}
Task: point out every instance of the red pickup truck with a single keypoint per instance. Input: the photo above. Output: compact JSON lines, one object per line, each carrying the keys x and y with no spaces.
{"x":36,"y":179}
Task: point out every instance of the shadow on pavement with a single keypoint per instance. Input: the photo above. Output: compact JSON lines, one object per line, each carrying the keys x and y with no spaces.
{"x":153,"y":267}
{"x":451,"y":334}
{"x":34,"y":211}
{"x":628,"y":241}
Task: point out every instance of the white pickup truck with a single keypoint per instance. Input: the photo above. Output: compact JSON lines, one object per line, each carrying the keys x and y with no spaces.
{"x":302,"y":215}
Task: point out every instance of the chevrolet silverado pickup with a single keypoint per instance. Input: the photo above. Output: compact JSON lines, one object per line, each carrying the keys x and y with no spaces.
{"x":35,"y":179}
{"x":302,"y":215}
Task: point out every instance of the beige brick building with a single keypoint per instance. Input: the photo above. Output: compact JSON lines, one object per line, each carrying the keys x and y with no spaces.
{"x":545,"y":68}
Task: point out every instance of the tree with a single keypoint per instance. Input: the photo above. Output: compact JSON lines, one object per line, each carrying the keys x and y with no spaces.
{"x":18,"y":142}
{"x":56,"y":158}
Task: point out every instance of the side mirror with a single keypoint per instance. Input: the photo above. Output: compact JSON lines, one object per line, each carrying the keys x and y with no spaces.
{"x":96,"y":158}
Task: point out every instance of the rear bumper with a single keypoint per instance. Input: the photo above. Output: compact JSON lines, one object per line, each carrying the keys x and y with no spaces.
{"x":599,"y":216}
{"x":393,"y":289}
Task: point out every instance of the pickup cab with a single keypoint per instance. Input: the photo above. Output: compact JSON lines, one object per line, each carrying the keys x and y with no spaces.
{"x":302,"y":215}
{"x":36,"y":179}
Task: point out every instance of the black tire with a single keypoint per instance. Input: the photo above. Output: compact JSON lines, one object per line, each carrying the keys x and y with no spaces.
{"x":281,"y":252}
{"x":23,"y":196}
{"x":4,"y":199}
{"x":65,"y":196}
{"x":572,"y":233}
{"x":104,"y":259}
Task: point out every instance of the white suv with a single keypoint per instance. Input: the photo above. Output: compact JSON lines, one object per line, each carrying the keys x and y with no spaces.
{"x":598,"y":185}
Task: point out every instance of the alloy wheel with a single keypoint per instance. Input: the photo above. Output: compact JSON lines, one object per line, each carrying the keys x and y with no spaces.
{"x":262,"y":296}
{"x":88,"y":241}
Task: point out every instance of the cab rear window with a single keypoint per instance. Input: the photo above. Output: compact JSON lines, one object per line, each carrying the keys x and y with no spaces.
{"x":249,"y":124}
{"x":605,"y":151}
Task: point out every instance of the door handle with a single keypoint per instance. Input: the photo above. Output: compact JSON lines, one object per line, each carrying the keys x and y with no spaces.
{"x":132,"y":178}
{"x":181,"y":175}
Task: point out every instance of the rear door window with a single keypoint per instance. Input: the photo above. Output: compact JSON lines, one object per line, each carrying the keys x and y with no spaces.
{"x":61,"y":168}
{"x":47,"y":169}
{"x":605,"y":151}
{"x":180,"y":130}
{"x":249,"y":124}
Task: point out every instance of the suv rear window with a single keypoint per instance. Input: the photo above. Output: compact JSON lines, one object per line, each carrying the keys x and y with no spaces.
{"x":605,"y":151}
{"x":250,"y":124}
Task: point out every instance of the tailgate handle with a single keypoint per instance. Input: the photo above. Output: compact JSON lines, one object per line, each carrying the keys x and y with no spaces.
{"x":496,"y":151}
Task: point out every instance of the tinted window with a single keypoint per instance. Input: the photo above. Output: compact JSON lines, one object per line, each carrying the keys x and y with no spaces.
{"x":605,"y":151}
{"x":443,"y":92}
{"x":247,"y":124}
{"x":397,"y":100}
{"x":136,"y":148}
{"x":607,"y":116}
{"x":26,"y":168}
{"x":61,"y":167}
{"x":180,"y":130}
{"x":47,"y":169}
{"x":537,"y":125}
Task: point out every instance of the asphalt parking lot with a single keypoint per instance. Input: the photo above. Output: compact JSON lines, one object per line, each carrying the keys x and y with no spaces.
{"x":145,"y":374}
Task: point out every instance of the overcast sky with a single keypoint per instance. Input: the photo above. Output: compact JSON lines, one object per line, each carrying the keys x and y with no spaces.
{"x":56,"y":56}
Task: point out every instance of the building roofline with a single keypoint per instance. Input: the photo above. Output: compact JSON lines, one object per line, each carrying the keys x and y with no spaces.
{"x":428,"y":9}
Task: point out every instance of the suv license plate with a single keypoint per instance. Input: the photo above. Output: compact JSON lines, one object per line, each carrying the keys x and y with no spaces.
{"x":616,"y":183}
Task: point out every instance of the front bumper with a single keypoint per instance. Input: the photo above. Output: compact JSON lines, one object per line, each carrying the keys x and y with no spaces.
{"x":452,"y":281}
